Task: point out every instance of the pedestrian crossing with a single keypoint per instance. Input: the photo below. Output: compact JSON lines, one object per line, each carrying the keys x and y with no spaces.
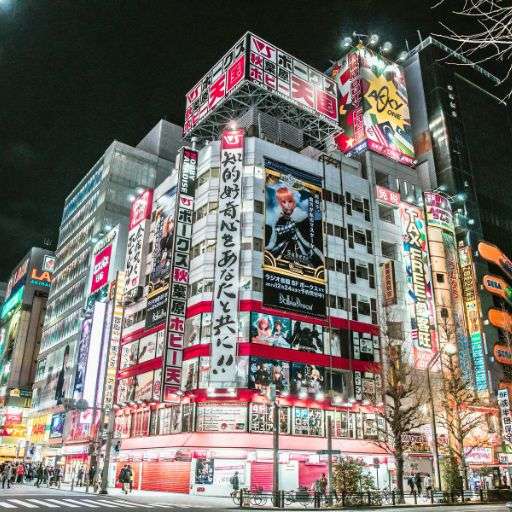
{"x":86,"y":504}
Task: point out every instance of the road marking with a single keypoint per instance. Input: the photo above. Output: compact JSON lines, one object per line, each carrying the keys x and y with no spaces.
{"x":40,"y":502}
{"x":6,"y":505}
{"x":132,"y":504}
{"x":109,"y":503}
{"x":69,"y":500}
{"x":23,"y":503}
{"x":60,"y":503}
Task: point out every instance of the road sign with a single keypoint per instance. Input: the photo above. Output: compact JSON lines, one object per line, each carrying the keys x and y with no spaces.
{"x":326,"y":452}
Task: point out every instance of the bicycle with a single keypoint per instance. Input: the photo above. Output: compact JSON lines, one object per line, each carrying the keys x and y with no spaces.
{"x":236,"y":497}
{"x":257,"y":498}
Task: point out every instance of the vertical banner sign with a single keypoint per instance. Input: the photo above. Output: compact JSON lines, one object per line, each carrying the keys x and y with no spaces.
{"x":179,"y":272}
{"x":473,"y":314}
{"x":115,"y":341}
{"x":418,"y":285}
{"x":138,"y":233}
{"x":227,"y":261}
{"x":388,"y":283}
{"x":506,"y":417}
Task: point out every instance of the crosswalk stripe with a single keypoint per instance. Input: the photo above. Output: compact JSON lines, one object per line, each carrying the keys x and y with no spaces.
{"x":40,"y":502}
{"x":59,"y":502}
{"x":82,"y":503}
{"x":109,"y":504}
{"x":132,"y":504}
{"x":23,"y":503}
{"x":6,"y":505}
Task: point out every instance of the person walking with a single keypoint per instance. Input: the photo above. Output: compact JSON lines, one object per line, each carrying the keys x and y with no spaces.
{"x":428,"y":484}
{"x":235,"y":482}
{"x":129,"y":476}
{"x":6,"y":476}
{"x":122,"y":478}
{"x":20,"y":473}
{"x":410,"y":483}
{"x":39,"y":475}
{"x":80,"y":476}
{"x":418,"y":482}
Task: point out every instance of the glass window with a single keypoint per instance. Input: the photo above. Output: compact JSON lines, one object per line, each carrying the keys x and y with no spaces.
{"x":359,"y":237}
{"x":308,"y":422}
{"x":386,"y":214}
{"x":261,"y":418}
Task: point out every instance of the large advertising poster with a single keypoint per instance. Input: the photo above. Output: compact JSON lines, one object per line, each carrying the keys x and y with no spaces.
{"x":227,"y":261}
{"x":473,"y":313}
{"x":163,"y":239}
{"x":418,"y":284}
{"x":439,"y":211}
{"x":179,"y":273}
{"x":294,"y":273}
{"x":374,"y":110}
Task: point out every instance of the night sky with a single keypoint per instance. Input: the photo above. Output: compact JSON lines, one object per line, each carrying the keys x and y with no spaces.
{"x":77,"y":74}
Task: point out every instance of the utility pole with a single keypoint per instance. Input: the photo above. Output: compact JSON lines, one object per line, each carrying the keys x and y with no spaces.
{"x":108,"y":449}
{"x":435,"y":447}
{"x":329,"y":459}
{"x":275,"y":446}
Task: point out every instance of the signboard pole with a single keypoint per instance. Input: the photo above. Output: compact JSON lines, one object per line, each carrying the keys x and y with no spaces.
{"x":275,"y":453}
{"x":329,"y":458}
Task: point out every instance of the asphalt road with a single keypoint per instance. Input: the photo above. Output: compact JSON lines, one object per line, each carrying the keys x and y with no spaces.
{"x":27,"y":497}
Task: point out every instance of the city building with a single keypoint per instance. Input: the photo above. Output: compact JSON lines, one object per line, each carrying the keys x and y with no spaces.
{"x":21,"y":321}
{"x":100,"y":202}
{"x":465,"y":155}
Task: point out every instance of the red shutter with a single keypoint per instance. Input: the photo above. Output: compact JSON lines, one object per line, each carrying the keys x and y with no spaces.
{"x":261,"y":476}
{"x":166,"y":476}
{"x":310,"y":473}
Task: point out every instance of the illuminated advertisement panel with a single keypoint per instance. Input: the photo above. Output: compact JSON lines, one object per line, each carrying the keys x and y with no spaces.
{"x":227,"y":261}
{"x":138,"y":233}
{"x":179,"y":274}
{"x":473,"y":313}
{"x":294,"y":272}
{"x":374,"y":110}
{"x":506,"y":418}
{"x":494,"y":254}
{"x":498,"y":286}
{"x":100,"y":269}
{"x":438,"y":211}
{"x":418,"y":284}
{"x":256,"y":61}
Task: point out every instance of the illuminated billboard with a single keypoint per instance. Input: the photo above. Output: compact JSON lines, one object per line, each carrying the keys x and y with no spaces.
{"x":439,"y":211}
{"x":255,"y":61}
{"x":294,"y":272}
{"x":373,"y":106}
{"x":418,"y":284}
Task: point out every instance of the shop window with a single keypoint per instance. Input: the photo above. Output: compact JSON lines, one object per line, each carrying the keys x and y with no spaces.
{"x":329,"y":263}
{"x":187,"y":418}
{"x":308,"y":422}
{"x":261,"y":418}
{"x":387,"y":214}
{"x":327,"y":195}
{"x":257,"y":284}
{"x":359,"y":237}
{"x":169,"y":420}
{"x":363,"y":306}
{"x":339,"y":232}
{"x":258,"y":206}
{"x":258,"y":244}
{"x":440,"y":278}
{"x":357,"y":204}
{"x":388,"y":250}
{"x":370,"y":430}
{"x":330,"y":228}
{"x":140,"y":423}
{"x":340,"y":424}
{"x":361,"y":270}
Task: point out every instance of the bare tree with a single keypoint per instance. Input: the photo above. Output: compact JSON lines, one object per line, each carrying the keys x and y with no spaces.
{"x":403,"y":398}
{"x":491,"y":38}
{"x":457,"y":413}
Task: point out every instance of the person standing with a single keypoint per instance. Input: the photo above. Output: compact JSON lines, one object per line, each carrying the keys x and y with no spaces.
{"x":6,"y":476}
{"x":80,"y":476}
{"x":39,"y":475}
{"x":20,"y":473}
{"x":410,"y":483}
{"x":122,"y":478}
{"x":235,"y":482}
{"x":322,"y":485}
{"x":129,"y":476}
{"x":428,"y":484}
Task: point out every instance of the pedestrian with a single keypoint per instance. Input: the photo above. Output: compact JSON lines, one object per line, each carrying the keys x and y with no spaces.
{"x":417,"y":481}
{"x":6,"y":476}
{"x":46,"y":474}
{"x":235,"y":482}
{"x":410,"y":483}
{"x":122,"y":478}
{"x":129,"y":476}
{"x":39,"y":475}
{"x":80,"y":476}
{"x":92,"y":474}
{"x":20,"y":473}
{"x":322,"y":485}
{"x":428,"y":484}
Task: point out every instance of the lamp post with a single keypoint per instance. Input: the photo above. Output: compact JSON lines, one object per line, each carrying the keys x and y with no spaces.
{"x":435,"y":446}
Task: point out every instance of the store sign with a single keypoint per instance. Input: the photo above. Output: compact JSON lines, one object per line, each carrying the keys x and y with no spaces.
{"x":178,"y":291}
{"x":478,"y":455}
{"x":494,"y":254}
{"x":374,"y":111}
{"x":498,"y":286}
{"x":473,"y":314}
{"x":221,"y":417}
{"x":293,"y":265}
{"x":503,"y":354}
{"x":389,"y":296}
{"x":388,"y":197}
{"x":138,"y":233}
{"x":418,"y":283}
{"x":115,"y":341}
{"x":156,"y":310}
{"x":100,"y":268}
{"x":506,"y":416}
{"x":254,"y":60}
{"x":16,"y":277}
{"x":57,"y":425}
{"x":12,"y":303}
{"x":439,"y":211}
{"x":83,"y":354}
{"x":227,"y":261}
{"x":500,"y":319}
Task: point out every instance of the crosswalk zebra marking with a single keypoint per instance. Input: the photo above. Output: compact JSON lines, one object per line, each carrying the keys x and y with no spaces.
{"x":82,"y":503}
{"x":6,"y":505}
{"x":132,"y":504}
{"x":59,"y":502}
{"x":109,"y":504}
{"x":40,"y":502}
{"x":19,"y":502}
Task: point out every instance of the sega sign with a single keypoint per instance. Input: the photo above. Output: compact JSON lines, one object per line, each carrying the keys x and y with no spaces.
{"x":100,"y":268}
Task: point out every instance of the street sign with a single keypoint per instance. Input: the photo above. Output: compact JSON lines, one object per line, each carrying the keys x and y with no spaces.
{"x":326,"y":452}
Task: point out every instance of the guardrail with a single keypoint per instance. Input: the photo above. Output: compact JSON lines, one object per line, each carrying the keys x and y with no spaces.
{"x":245,"y":498}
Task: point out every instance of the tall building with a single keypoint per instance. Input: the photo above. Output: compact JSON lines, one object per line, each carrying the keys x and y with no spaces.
{"x":99,"y":202}
{"x":465,"y":154}
{"x":21,"y":322}
{"x":288,"y":249}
